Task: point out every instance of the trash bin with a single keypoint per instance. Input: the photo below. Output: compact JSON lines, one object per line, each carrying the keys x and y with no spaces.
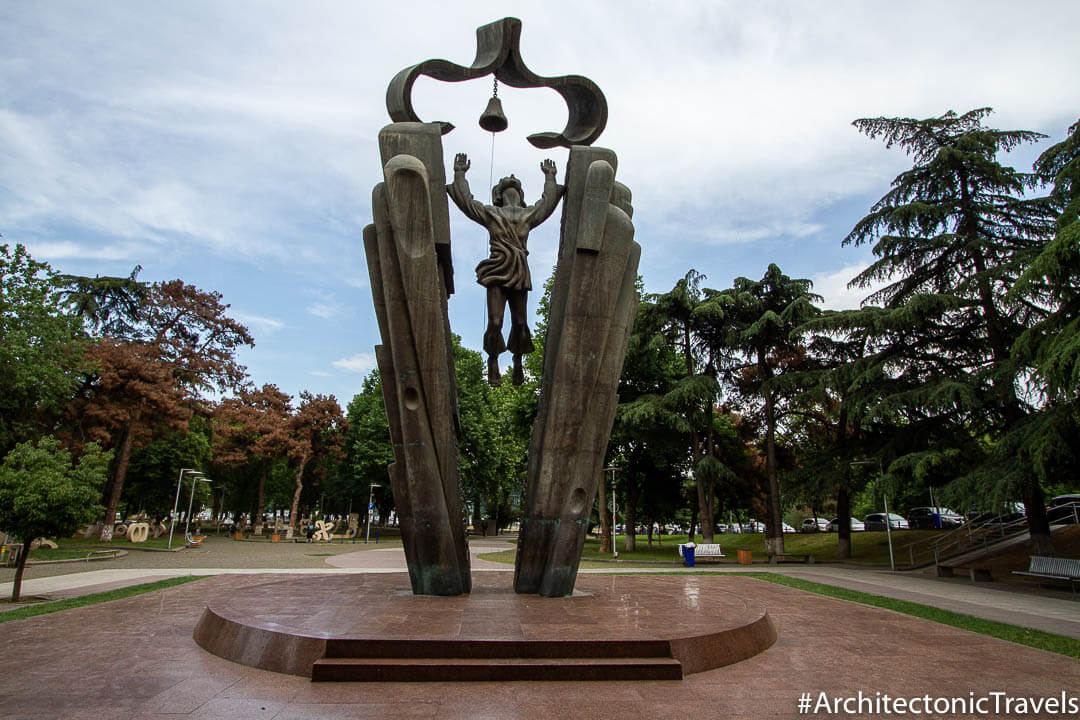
{"x":688,"y":554}
{"x":745,"y":556}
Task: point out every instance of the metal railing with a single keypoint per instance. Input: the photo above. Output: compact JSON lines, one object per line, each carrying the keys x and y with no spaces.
{"x":969,"y":536}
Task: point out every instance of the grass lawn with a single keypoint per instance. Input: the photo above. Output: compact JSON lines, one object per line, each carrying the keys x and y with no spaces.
{"x":1013,"y":633}
{"x":83,"y":600}
{"x":867,"y":548}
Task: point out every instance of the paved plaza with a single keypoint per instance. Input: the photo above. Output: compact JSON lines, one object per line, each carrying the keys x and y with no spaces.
{"x":136,"y":657}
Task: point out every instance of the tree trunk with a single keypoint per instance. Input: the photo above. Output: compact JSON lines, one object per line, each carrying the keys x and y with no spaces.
{"x":650,"y":534}
{"x":16,"y":584}
{"x":774,"y":530}
{"x":118,"y":482}
{"x":843,"y":512}
{"x":630,"y":520}
{"x":296,"y":495}
{"x":694,"y":505}
{"x":260,"y":502}
{"x":605,"y":517}
{"x":705,"y":513}
{"x":1038,"y":523}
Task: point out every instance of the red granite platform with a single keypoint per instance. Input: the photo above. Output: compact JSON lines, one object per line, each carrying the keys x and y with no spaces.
{"x":371,"y":627}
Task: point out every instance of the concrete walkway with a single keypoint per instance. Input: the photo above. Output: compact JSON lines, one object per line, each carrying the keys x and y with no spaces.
{"x":1053,"y":611}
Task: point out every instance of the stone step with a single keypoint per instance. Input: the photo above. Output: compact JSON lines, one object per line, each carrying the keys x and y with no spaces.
{"x":493,"y":669}
{"x":426,"y":648}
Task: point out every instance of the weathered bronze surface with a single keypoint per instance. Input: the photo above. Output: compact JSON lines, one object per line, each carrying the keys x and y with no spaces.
{"x":505,"y":273}
{"x":592,"y":310}
{"x":591,"y":314}
{"x":409,"y":287}
{"x":498,"y":52}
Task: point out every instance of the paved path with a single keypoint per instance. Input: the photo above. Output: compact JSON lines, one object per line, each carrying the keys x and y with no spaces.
{"x":1024,"y":605}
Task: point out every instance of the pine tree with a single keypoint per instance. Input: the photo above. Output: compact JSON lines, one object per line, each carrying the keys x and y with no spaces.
{"x":951,"y":237}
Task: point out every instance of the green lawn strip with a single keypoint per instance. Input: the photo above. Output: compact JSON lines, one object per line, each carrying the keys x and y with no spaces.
{"x":83,"y":600}
{"x":1021,"y":635}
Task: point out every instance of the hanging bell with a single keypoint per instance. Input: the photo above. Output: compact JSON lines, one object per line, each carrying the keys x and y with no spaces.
{"x":492,"y":119}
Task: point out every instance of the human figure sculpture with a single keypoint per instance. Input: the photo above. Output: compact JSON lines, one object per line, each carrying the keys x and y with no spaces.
{"x":505,"y":273}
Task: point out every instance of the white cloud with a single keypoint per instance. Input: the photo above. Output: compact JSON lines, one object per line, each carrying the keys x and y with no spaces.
{"x":833,"y":286}
{"x":258,"y":324}
{"x":325,"y":309}
{"x":358,"y":363}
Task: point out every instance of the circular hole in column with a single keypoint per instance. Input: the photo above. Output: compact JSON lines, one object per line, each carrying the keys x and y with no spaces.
{"x":412,"y":398}
{"x":577,"y":501}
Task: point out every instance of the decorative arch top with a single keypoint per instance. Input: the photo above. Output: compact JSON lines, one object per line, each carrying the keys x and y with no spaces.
{"x":498,"y":52}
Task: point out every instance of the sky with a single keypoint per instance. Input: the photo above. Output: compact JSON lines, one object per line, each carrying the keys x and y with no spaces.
{"x":233,"y":144}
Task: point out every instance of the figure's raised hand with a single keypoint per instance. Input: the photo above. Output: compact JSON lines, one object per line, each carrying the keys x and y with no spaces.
{"x":461,"y":163}
{"x":548,"y":167}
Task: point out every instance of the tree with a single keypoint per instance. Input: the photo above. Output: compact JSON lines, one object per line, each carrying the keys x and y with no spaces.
{"x":690,"y":321}
{"x":40,"y":349}
{"x":318,"y":432}
{"x":367,"y":441}
{"x":129,"y":394}
{"x":109,"y":305}
{"x":951,"y":237}
{"x":766,"y":333}
{"x":1052,"y":345}
{"x":42,"y":494}
{"x":255,"y":426}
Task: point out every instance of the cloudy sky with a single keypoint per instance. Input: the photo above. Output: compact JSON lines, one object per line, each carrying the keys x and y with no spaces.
{"x":233,"y":144}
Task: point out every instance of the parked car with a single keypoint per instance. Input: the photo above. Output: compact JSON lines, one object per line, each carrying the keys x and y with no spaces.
{"x":1063,"y":509}
{"x":931,"y":518}
{"x":876,"y":521}
{"x":856,"y":525}
{"x":722,"y":528}
{"x":813,"y":525}
{"x":787,"y":528}
{"x":753,"y":527}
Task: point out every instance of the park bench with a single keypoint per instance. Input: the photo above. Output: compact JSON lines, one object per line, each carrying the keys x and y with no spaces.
{"x":705,"y":550}
{"x":789,"y":558}
{"x":1049,"y":568}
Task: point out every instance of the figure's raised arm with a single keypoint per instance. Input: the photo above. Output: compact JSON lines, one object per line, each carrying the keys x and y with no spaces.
{"x":461,"y":194}
{"x":549,"y":199}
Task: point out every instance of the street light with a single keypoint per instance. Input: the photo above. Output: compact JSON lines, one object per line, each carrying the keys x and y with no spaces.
{"x":885,"y":498}
{"x":370,"y":505}
{"x":176,"y":503}
{"x":187,"y":518}
{"x":614,"y":547}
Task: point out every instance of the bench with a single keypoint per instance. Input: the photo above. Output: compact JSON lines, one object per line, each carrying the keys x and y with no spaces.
{"x":787,"y":558}
{"x":705,"y":550}
{"x":1049,"y":568}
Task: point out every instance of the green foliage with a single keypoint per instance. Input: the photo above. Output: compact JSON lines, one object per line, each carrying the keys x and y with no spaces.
{"x":43,"y":494}
{"x":951,"y":238}
{"x":110,"y":305}
{"x":93,"y":599}
{"x":40,"y":348}
{"x":1053,"y":277}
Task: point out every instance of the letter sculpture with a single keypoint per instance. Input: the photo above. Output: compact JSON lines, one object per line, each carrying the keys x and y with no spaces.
{"x":592,"y":311}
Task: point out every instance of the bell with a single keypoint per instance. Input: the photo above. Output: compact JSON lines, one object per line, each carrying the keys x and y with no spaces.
{"x":492,"y":119}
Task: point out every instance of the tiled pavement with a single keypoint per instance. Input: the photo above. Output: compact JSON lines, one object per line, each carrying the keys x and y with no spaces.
{"x":135,"y":658}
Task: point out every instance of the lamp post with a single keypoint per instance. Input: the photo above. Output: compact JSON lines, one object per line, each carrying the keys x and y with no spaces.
{"x":187,"y":518}
{"x":370,"y":505}
{"x":176,"y":503}
{"x":885,"y":499}
{"x":614,"y":547}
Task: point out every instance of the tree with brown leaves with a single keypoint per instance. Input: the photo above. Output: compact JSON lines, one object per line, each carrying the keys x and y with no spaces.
{"x":318,"y":430}
{"x":132,"y":391}
{"x":256,"y":425}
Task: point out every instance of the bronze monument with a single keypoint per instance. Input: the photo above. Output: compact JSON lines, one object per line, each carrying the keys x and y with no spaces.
{"x":592,"y":310}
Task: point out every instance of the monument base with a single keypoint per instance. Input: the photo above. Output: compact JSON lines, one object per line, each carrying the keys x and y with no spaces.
{"x":372,"y":628}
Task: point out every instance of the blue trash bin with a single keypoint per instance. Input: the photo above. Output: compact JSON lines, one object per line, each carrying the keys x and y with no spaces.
{"x":688,"y":555}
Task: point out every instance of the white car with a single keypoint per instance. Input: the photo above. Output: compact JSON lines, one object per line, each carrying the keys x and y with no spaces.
{"x":813,"y":525}
{"x":856,"y":525}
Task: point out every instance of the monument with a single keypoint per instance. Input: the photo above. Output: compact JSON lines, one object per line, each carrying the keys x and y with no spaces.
{"x":592,"y":310}
{"x":362,"y":627}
